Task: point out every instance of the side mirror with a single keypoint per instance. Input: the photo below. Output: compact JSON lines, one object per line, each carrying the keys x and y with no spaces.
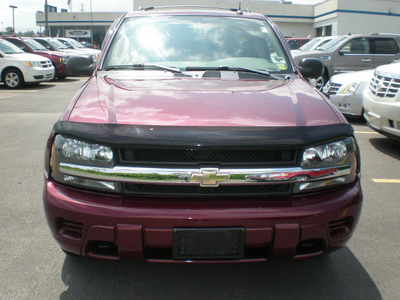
{"x":311,"y":68}
{"x":81,"y":65}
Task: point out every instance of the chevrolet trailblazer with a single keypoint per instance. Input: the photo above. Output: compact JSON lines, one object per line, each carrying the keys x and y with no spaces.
{"x":197,"y":139}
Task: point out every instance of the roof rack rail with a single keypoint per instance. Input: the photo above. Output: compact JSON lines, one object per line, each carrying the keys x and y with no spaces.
{"x":238,"y":10}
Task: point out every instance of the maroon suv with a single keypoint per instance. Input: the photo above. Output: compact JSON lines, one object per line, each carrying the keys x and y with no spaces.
{"x":59,"y":59}
{"x":197,"y":139}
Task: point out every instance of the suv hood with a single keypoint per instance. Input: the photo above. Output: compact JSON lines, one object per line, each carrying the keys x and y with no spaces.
{"x":27,"y":57}
{"x":351,"y":77}
{"x":198,"y":101}
{"x":390,"y":70}
{"x":55,"y":53}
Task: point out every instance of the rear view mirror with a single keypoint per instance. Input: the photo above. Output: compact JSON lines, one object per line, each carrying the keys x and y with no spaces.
{"x":81,"y":65}
{"x":311,"y":68}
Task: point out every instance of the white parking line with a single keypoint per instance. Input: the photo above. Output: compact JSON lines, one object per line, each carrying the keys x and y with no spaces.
{"x":18,"y":91}
{"x":366,"y":132}
{"x":386,"y":180}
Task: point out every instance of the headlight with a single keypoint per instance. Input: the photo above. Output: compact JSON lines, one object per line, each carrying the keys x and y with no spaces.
{"x":33,"y":64}
{"x":70,"y":152}
{"x":325,"y":155}
{"x":351,"y":88}
{"x":335,"y":157}
{"x":64,"y":59}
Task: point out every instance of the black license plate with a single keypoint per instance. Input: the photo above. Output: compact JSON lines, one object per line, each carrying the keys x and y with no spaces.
{"x":208,"y":243}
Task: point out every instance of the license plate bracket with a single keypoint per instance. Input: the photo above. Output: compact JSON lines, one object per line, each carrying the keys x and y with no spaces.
{"x":208,"y":243}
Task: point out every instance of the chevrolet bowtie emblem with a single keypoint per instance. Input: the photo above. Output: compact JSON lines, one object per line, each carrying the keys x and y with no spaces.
{"x":209,"y":177}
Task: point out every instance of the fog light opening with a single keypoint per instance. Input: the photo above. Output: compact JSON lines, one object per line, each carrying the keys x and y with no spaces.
{"x":311,"y":248}
{"x":101,"y":249}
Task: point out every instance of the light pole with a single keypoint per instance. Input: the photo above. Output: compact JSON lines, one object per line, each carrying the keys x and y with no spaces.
{"x":13,"y":7}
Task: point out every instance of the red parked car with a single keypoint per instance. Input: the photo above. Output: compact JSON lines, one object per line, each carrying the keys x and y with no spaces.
{"x":296,"y":43}
{"x":196,"y":139}
{"x":29,"y":45}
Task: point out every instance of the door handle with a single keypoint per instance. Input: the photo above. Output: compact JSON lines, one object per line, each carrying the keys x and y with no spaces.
{"x":366,"y":60}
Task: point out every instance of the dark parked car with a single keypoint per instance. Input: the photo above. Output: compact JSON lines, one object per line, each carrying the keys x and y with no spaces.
{"x":89,"y":45}
{"x":58,"y":59}
{"x":197,"y":146}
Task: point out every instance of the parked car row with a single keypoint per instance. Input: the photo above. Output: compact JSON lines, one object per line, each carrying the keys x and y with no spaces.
{"x":359,"y":77}
{"x":372,"y":94}
{"x":17,"y":67}
{"x":353,"y":53}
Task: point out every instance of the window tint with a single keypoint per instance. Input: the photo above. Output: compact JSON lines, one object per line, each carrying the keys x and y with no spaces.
{"x":9,"y":48}
{"x":357,"y":46}
{"x":18,"y":44}
{"x":195,"y":41}
{"x":385,"y":46}
{"x":294,"y":44}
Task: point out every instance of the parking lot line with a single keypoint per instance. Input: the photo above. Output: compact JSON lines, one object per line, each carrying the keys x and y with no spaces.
{"x":386,"y":180}
{"x":22,"y":91}
{"x":366,"y":132}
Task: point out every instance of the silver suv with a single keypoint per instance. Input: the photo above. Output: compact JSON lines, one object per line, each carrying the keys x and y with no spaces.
{"x":353,"y":53}
{"x":382,"y":101}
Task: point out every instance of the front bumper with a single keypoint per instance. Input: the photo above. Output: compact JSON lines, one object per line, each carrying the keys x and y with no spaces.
{"x":38,"y":74}
{"x":348,"y":104}
{"x":119,"y":227}
{"x":382,"y":116}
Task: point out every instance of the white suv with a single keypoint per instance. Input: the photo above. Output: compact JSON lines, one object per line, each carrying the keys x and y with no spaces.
{"x":382,"y":101}
{"x":18,"y":67}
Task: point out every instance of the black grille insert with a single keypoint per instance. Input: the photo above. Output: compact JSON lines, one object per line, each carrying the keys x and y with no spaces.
{"x":260,"y":190}
{"x":209,"y":156}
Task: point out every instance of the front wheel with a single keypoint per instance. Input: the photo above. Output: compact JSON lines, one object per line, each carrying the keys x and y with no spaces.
{"x":13,"y":79}
{"x":319,"y":82}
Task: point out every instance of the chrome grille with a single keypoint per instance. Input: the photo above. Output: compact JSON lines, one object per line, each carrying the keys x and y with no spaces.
{"x":46,"y":64}
{"x":332,"y":88}
{"x":384,"y":87}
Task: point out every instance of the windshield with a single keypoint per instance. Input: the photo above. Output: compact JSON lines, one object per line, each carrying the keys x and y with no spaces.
{"x":310,"y":45}
{"x":330,"y":46}
{"x":76,"y":44}
{"x":8,"y":48}
{"x":197,"y":41}
{"x":34,"y":45}
{"x":57,"y":44}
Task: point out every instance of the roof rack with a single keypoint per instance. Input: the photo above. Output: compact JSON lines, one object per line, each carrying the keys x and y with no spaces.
{"x":238,"y":10}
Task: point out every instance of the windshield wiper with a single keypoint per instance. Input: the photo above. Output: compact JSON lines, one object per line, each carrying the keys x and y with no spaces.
{"x":145,"y":66}
{"x":230,"y":68}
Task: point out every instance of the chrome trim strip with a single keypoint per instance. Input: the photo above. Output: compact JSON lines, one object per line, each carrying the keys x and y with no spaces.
{"x":206,"y":177}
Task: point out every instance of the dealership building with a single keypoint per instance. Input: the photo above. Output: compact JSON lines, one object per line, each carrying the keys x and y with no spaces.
{"x":331,"y":17}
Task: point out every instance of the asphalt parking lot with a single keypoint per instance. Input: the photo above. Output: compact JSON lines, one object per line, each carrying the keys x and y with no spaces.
{"x":33,"y":267}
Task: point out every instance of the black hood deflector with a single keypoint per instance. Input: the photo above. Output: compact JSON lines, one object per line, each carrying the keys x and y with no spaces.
{"x":178,"y":136}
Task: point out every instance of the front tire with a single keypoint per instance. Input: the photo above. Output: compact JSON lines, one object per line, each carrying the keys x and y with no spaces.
{"x":319,"y":82}
{"x":13,"y":79}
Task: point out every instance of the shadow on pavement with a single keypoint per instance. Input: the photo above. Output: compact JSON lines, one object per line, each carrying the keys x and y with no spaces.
{"x":356,"y":120}
{"x":387,"y":146}
{"x":337,"y":276}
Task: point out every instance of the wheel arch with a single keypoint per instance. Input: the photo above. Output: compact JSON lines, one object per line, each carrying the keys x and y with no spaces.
{"x":9,"y":68}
